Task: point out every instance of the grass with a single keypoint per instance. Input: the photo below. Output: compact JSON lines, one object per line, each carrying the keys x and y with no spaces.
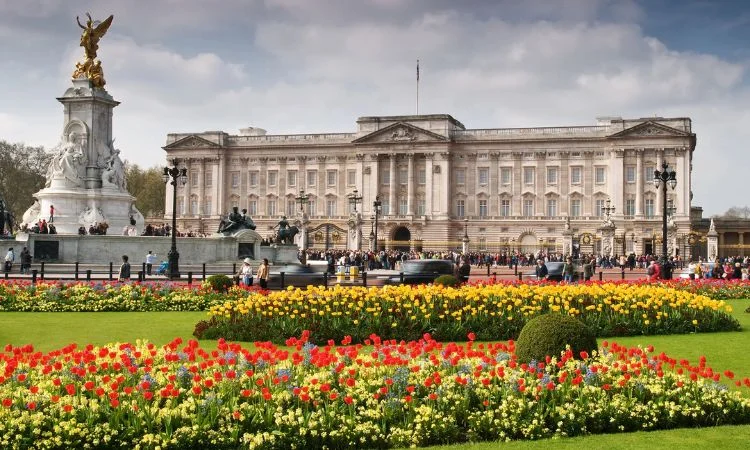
{"x":49,"y":331}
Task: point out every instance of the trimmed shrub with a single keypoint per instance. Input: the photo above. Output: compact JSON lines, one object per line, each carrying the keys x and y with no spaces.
{"x":447,"y":280}
{"x":549,"y":334}
{"x":219,"y":283}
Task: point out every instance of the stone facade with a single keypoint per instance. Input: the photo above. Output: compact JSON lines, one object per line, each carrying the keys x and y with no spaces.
{"x":507,"y":188}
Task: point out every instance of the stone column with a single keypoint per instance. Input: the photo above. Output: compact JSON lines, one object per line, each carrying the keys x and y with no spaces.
{"x":410,"y":185}
{"x":321,"y":191}
{"x":493,"y":188}
{"x":639,"y":181}
{"x":617,"y":180}
{"x":202,"y":184}
{"x":221,"y":181}
{"x":374,"y":183}
{"x":429,"y":169}
{"x":658,"y":212}
{"x":188,"y":187}
{"x":392,"y":199}
{"x":517,"y":184}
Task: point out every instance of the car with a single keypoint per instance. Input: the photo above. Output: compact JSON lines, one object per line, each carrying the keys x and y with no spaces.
{"x":294,"y":275}
{"x":422,"y":271}
{"x":555,"y":271}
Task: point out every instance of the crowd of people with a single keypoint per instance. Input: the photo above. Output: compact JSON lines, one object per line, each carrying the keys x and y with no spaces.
{"x":40,"y":227}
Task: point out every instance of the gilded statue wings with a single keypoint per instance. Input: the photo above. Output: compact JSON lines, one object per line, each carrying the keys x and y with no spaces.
{"x":102,"y":28}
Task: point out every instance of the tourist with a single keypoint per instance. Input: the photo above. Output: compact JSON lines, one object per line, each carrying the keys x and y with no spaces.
{"x":541,"y":270}
{"x":653,"y":271}
{"x":51,"y":213}
{"x":246,"y":272}
{"x":10,"y":258}
{"x":263,"y":274}
{"x":25,"y":260}
{"x":150,"y":260}
{"x":569,"y":270}
{"x":124,"y":274}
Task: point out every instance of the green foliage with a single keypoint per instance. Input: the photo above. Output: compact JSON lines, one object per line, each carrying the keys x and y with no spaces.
{"x":148,"y":187}
{"x":447,"y":280}
{"x":218,"y":283}
{"x":550,"y":334}
{"x":22,"y":173}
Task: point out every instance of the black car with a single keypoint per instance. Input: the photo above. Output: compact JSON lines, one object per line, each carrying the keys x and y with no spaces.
{"x":422,"y":271}
{"x":555,"y":271}
{"x":294,"y":275}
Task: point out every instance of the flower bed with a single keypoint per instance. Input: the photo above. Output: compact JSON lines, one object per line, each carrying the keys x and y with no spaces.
{"x":92,"y":297}
{"x":493,"y":312}
{"x":387,"y":395}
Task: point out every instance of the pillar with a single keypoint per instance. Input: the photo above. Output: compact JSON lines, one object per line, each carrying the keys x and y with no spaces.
{"x":639,"y":182}
{"x":410,"y":185}
{"x":392,"y":200}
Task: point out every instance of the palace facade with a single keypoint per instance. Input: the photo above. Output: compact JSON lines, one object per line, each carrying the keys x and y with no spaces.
{"x":437,"y":182}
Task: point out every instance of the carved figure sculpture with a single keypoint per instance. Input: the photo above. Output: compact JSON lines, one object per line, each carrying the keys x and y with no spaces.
{"x":91,"y":216}
{"x":32,"y":214}
{"x":113,"y":175}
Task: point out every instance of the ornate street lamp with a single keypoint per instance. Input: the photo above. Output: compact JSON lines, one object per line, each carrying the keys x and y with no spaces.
{"x":608,"y":210}
{"x":354,"y":199}
{"x":466,"y":236}
{"x":376,"y":205}
{"x":661,"y":180}
{"x":171,"y":175}
{"x":303,"y":199}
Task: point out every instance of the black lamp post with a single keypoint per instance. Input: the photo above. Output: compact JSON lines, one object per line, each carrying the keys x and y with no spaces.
{"x":376,"y":205}
{"x":608,"y":210}
{"x":661,"y":179}
{"x":171,"y":175}
{"x":303,"y":199}
{"x":355,"y":199}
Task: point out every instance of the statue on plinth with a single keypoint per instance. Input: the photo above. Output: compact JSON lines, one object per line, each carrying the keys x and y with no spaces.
{"x":285,"y":233}
{"x":68,"y":162}
{"x":113,"y":175}
{"x":235,"y":222}
{"x":90,"y":67}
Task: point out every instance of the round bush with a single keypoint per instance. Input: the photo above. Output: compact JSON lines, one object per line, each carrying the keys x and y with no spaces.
{"x":447,"y":280}
{"x":549,"y":334}
{"x":219,"y":283}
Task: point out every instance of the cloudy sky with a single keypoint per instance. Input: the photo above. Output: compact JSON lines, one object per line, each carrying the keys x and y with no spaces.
{"x":293,"y":66}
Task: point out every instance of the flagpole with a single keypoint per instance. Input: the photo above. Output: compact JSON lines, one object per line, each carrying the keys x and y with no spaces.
{"x":417,"y":87}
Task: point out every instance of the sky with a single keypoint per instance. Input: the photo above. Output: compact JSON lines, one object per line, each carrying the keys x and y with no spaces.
{"x":314,"y":66}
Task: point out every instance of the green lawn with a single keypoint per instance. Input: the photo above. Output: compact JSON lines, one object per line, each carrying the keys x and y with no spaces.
{"x":48,"y":331}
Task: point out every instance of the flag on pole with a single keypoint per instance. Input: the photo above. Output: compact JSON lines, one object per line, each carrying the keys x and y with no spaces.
{"x":417,"y":70}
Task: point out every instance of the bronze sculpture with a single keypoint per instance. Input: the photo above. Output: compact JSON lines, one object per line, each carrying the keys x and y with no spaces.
{"x":235,"y":222}
{"x":91,"y":68}
{"x":286,"y":233}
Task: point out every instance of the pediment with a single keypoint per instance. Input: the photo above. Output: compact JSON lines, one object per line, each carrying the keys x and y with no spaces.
{"x":400,"y":132}
{"x":190,"y":142}
{"x":649,"y":129}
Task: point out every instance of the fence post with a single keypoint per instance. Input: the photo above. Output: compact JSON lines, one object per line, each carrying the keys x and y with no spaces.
{"x":190,"y":278}
{"x":601,"y":274}
{"x":33,"y":276}
{"x":143,"y":268}
{"x":282,"y":281}
{"x":325,"y":279}
{"x":76,"y":273}
{"x":41,"y":268}
{"x":234,"y":267}
{"x":364,"y":279}
{"x":401,"y":277}
{"x":623,"y":273}
{"x":204,"y":271}
{"x":140,"y":276}
{"x":88,"y":275}
{"x":516,"y":268}
{"x":111,"y":269}
{"x":520,"y":276}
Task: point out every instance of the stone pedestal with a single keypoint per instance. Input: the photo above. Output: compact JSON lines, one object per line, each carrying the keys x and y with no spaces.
{"x":567,"y":242}
{"x":713,"y":242}
{"x":355,"y":231}
{"x":608,"y":239}
{"x":281,"y":254}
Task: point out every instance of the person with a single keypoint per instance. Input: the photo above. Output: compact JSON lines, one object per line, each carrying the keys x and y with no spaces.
{"x":569,"y":269}
{"x":51,"y":213}
{"x":654,"y":271}
{"x":464,"y":271}
{"x":541,"y":270}
{"x":263,"y":274}
{"x":10,"y":258}
{"x":246,"y":272}
{"x":124,"y":274}
{"x":25,"y":260}
{"x":150,"y":260}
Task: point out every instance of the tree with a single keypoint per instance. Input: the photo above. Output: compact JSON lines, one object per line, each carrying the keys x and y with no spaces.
{"x":22,"y":173}
{"x":737,"y":212}
{"x":148,"y":187}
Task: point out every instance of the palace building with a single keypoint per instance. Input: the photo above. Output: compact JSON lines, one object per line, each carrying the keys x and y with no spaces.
{"x":437,"y":182}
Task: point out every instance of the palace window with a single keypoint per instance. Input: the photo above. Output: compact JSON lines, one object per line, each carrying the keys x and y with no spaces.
{"x":385,"y":177}
{"x":460,"y":176}
{"x":630,"y":174}
{"x":209,"y":178}
{"x":194,"y":178}
{"x":506,"y":175}
{"x":484,"y":176}
{"x":331,"y":177}
{"x":599,"y":173}
{"x":551,"y":207}
{"x":207,"y":206}
{"x":648,"y":173}
{"x":330,"y":207}
{"x":291,"y":178}
{"x":252,"y":207}
{"x":460,"y":208}
{"x":528,"y":175}
{"x":193,"y":206}
{"x":402,"y":206}
{"x":181,"y":206}
{"x":575,"y":175}
{"x":630,"y":207}
{"x":385,"y":207}
{"x":403,"y":176}
{"x":483,"y":208}
{"x":235,"y":179}
{"x":422,"y":175}
{"x":271,"y":207}
{"x":273,"y":178}
{"x":552,"y":175}
{"x":312,"y":209}
{"x":254,"y":178}
{"x":598,"y":207}
{"x":528,"y":207}
{"x":649,"y":210}
{"x":291,"y":207}
{"x":575,"y":207}
{"x":421,"y":208}
{"x":312,"y":178}
{"x":351,"y":177}
{"x":505,"y":208}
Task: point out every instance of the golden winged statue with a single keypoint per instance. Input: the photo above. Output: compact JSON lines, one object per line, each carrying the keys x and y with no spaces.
{"x":92,"y":33}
